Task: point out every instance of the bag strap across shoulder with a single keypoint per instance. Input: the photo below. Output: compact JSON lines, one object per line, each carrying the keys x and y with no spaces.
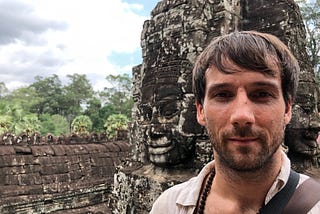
{"x":304,"y":198}
{"x":280,"y":200}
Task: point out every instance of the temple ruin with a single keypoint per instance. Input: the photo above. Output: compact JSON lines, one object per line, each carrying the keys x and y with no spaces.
{"x":169,"y":145}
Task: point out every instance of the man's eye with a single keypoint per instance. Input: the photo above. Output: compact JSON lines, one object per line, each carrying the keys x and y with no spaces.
{"x":223,"y":96}
{"x":262,"y":95}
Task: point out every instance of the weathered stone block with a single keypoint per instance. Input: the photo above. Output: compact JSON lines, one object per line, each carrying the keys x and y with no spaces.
{"x":74,"y":167}
{"x":111,"y":147}
{"x":43,"y":150}
{"x":102,"y":161}
{"x":77,"y":149}
{"x":108,"y":170}
{"x":60,"y":150}
{"x":25,"y":150}
{"x":48,"y":179}
{"x":75,"y":159}
{"x":50,"y":160}
{"x":29,"y":179}
{"x":95,"y":148}
{"x":11,"y":179}
{"x":124,"y":147}
{"x":50,"y":188}
{"x":14,"y":170}
{"x":97,"y":171}
{"x":54,"y":169}
{"x":62,"y":178}
{"x":7,"y":150}
{"x":15,"y":190}
{"x":76,"y":175}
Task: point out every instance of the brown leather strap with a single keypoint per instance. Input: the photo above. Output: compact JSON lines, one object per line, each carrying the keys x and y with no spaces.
{"x":304,"y":198}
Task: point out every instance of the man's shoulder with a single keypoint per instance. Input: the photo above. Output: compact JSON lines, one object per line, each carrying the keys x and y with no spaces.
{"x":307,"y":193}
{"x":184,"y":194}
{"x":180,"y":193}
{"x":181,"y":189}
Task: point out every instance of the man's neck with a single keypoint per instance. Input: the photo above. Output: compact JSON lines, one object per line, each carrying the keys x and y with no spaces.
{"x":241,"y":191}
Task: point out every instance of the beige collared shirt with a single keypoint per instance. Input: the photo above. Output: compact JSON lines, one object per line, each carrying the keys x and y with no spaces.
{"x":182,"y":198}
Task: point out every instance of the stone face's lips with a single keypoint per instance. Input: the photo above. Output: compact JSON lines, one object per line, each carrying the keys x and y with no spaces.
{"x":160,"y":141}
{"x":308,"y":147}
{"x":159,"y":150}
{"x":310,"y":143}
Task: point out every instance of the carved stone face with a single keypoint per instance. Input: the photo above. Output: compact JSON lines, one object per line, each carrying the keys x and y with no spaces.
{"x":167,"y":117}
{"x":302,"y":132}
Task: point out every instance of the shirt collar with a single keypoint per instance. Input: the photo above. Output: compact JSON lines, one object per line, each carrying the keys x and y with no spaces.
{"x":281,"y":179}
{"x":189,"y":196}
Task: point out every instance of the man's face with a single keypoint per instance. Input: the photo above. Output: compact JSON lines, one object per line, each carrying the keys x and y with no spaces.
{"x":245,"y":115}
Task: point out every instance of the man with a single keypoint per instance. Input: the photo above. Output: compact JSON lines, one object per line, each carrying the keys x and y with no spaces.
{"x":244,"y":85}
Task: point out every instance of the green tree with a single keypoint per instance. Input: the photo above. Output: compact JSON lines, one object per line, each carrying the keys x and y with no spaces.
{"x":116,"y":123}
{"x":77,"y":94}
{"x":14,"y":119}
{"x":28,"y":123}
{"x":106,"y":111}
{"x":5,"y":123}
{"x":50,"y":94}
{"x":55,"y":124}
{"x":81,"y":125}
{"x":118,"y":94}
{"x":310,"y":11}
{"x":26,"y":97}
{"x":93,"y":111}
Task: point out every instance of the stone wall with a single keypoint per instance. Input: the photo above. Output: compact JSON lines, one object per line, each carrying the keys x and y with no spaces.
{"x":59,"y":178}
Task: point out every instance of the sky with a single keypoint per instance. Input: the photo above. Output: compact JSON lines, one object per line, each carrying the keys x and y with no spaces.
{"x":64,"y":37}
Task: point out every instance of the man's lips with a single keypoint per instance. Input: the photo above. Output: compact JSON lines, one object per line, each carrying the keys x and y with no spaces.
{"x":240,"y":140}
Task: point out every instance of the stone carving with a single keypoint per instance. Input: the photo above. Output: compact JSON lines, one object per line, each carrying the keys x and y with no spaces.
{"x":301,"y":134}
{"x":35,"y":138}
{"x":165,"y":126}
{"x":303,"y":130}
{"x":7,"y":138}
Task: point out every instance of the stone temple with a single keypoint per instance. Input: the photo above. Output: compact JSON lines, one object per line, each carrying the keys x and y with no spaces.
{"x":168,"y":144}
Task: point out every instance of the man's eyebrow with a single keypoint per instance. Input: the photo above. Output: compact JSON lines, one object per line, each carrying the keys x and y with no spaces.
{"x":218,"y":86}
{"x":268,"y":84}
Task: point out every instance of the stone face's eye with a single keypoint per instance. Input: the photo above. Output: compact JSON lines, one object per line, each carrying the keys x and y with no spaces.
{"x":307,"y":103}
{"x":168,"y":109}
{"x":146,"y":112}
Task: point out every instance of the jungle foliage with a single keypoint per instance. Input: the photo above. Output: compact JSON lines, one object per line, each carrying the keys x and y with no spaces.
{"x":48,"y":106}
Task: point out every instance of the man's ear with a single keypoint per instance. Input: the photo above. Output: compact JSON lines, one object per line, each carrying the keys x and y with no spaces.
{"x":288,"y":112}
{"x":200,"y":114}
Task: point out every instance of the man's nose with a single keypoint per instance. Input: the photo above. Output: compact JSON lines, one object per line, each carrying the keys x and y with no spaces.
{"x":242,"y":113}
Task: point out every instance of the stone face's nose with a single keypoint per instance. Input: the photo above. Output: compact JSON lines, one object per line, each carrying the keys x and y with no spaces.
{"x":315,"y":122}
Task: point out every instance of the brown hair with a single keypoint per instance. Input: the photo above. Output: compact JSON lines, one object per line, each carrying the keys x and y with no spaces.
{"x":249,"y":50}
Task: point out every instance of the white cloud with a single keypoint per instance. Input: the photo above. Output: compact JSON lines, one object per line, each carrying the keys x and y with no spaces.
{"x":72,"y":36}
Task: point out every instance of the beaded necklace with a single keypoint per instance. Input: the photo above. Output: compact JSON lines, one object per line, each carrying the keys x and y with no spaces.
{"x":205,"y":192}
